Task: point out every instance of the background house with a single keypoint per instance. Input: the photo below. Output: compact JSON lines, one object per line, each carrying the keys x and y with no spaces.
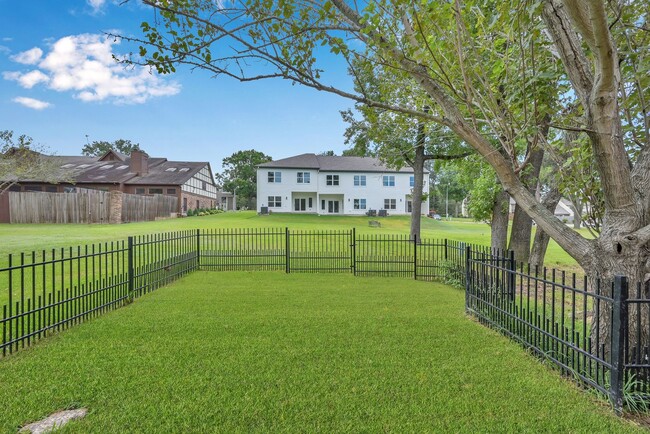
{"x":192,"y":183}
{"x":318,"y":184}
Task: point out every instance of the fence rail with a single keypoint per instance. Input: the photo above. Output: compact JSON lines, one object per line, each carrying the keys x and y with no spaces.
{"x":593,"y":331}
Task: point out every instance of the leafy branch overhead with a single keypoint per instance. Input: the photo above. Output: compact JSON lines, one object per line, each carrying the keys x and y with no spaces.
{"x":22,"y":159}
{"x":504,"y":77}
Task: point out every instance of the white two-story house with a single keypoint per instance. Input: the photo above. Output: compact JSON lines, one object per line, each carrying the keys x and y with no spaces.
{"x":318,"y":184}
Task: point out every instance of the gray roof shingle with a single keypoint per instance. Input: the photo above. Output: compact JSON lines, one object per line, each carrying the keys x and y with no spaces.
{"x":327,"y":163}
{"x":84,"y":169}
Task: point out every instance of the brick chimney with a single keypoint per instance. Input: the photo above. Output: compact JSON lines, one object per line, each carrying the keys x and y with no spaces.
{"x":139,"y":162}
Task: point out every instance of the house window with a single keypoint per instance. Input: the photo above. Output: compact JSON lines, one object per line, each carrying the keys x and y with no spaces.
{"x":311,"y":203}
{"x":332,"y":180}
{"x":322,"y":204}
{"x":275,"y":201}
{"x":275,"y":177}
{"x":389,"y":180}
{"x":139,"y":190}
{"x":390,"y":203}
{"x":204,"y":185}
{"x":412,"y":181}
{"x":359,"y":204}
{"x":171,"y":191}
{"x":359,"y":180}
{"x":155,"y":191}
{"x":304,"y":177}
{"x":300,"y":204}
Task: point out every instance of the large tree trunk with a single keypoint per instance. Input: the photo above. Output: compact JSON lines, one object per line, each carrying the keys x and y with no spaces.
{"x":499,"y":224}
{"x":416,"y":195}
{"x":522,"y":224}
{"x":540,"y":243}
{"x":520,"y":234}
{"x":418,"y":173}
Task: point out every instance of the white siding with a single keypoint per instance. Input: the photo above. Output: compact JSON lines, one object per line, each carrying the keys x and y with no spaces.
{"x":345,"y":193}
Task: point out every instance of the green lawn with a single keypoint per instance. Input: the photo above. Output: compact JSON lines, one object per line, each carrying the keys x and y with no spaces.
{"x":268,"y":352}
{"x":21,"y":238}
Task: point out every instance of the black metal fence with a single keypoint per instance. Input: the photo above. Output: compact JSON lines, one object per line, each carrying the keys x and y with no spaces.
{"x":50,"y":290}
{"x":593,"y":330}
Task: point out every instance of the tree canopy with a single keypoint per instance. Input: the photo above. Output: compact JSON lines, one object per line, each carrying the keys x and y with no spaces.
{"x":495,"y":73}
{"x":100,"y":147}
{"x":22,"y":159}
{"x":240,"y":175}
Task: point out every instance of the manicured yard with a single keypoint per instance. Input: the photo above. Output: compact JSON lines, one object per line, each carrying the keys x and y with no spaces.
{"x":22,"y":238}
{"x":269,"y":352}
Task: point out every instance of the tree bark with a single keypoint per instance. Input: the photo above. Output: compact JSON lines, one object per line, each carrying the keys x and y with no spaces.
{"x":418,"y":173}
{"x":577,"y":206}
{"x":499,"y":224}
{"x":540,"y":243}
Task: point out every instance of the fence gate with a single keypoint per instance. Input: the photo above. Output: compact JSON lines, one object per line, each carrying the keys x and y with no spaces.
{"x":328,"y":251}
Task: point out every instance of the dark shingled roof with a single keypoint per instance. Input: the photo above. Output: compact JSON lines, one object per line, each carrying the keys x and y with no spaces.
{"x":84,"y":169}
{"x":327,"y":163}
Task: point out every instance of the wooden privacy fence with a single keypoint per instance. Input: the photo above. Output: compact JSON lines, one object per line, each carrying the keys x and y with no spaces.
{"x":138,"y":208}
{"x":88,"y":206}
{"x":84,"y":206}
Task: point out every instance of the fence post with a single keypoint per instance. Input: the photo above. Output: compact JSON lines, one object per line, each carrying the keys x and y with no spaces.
{"x":354,"y":251}
{"x":130,"y":266}
{"x":619,"y":333}
{"x":468,"y":274}
{"x":512,"y":275}
{"x":415,"y":256}
{"x":198,"y":248}
{"x":446,"y":255}
{"x":287,"y":252}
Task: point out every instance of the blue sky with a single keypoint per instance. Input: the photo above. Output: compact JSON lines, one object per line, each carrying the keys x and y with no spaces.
{"x":58,"y":84}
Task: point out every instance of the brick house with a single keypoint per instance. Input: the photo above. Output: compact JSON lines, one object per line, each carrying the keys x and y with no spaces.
{"x":191,"y":182}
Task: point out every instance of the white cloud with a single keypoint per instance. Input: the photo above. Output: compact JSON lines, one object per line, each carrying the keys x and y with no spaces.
{"x":27,"y":80}
{"x":84,"y":64}
{"x":96,"y":4}
{"x":29,"y":57}
{"x":31,"y":103}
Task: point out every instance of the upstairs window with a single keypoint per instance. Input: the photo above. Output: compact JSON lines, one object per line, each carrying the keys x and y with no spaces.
{"x":412,"y":181}
{"x":275,"y":177}
{"x":359,"y":180}
{"x":389,"y":180}
{"x":332,"y":180}
{"x":304,"y":177}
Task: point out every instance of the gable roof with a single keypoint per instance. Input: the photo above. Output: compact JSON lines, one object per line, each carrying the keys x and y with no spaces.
{"x":328,"y":163}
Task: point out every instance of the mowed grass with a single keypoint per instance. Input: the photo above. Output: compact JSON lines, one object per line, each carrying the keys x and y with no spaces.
{"x":271,"y":352}
{"x":26,"y":238}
